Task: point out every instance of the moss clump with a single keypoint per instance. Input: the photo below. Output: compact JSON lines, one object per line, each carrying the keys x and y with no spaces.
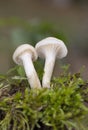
{"x":62,"y":107}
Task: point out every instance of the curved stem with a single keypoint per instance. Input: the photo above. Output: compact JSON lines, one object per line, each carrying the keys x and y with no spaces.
{"x":48,"y":70}
{"x":30,"y":71}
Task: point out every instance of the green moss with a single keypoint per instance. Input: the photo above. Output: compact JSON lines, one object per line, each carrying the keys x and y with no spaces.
{"x":62,"y":107}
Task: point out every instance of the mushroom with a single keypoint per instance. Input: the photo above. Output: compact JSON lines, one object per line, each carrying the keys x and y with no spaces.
{"x":25,"y":55}
{"x":49,"y":49}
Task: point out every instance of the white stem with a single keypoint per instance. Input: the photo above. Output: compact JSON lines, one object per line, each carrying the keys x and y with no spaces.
{"x":48,"y":70}
{"x":30,"y":71}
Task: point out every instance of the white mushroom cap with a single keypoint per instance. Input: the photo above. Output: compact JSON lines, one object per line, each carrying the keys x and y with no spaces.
{"x":51,"y":43}
{"x":23,"y":49}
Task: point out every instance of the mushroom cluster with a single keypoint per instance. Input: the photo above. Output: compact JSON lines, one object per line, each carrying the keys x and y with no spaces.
{"x":49,"y":49}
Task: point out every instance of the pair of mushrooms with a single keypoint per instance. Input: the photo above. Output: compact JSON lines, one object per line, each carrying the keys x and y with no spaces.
{"x":49,"y":48}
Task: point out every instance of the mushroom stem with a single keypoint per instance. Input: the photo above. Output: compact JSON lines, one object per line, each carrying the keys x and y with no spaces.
{"x":48,"y":70}
{"x":30,"y":71}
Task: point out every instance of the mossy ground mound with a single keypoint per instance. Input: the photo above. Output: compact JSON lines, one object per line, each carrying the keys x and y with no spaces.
{"x":62,"y":107}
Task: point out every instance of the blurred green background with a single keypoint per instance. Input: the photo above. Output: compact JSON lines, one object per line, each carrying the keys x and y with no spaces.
{"x":28,"y":21}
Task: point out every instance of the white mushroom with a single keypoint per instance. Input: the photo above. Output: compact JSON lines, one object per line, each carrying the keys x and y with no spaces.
{"x":50,"y":48}
{"x":24,"y":55}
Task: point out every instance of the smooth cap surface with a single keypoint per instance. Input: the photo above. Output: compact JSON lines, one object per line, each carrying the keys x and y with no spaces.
{"x":25,"y":48}
{"x":51,"y":44}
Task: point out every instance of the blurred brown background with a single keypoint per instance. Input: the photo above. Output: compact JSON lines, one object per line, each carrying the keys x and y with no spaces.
{"x":25,"y":21}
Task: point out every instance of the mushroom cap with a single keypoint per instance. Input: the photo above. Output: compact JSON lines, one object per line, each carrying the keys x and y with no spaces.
{"x":25,"y":48}
{"x":51,"y":44}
